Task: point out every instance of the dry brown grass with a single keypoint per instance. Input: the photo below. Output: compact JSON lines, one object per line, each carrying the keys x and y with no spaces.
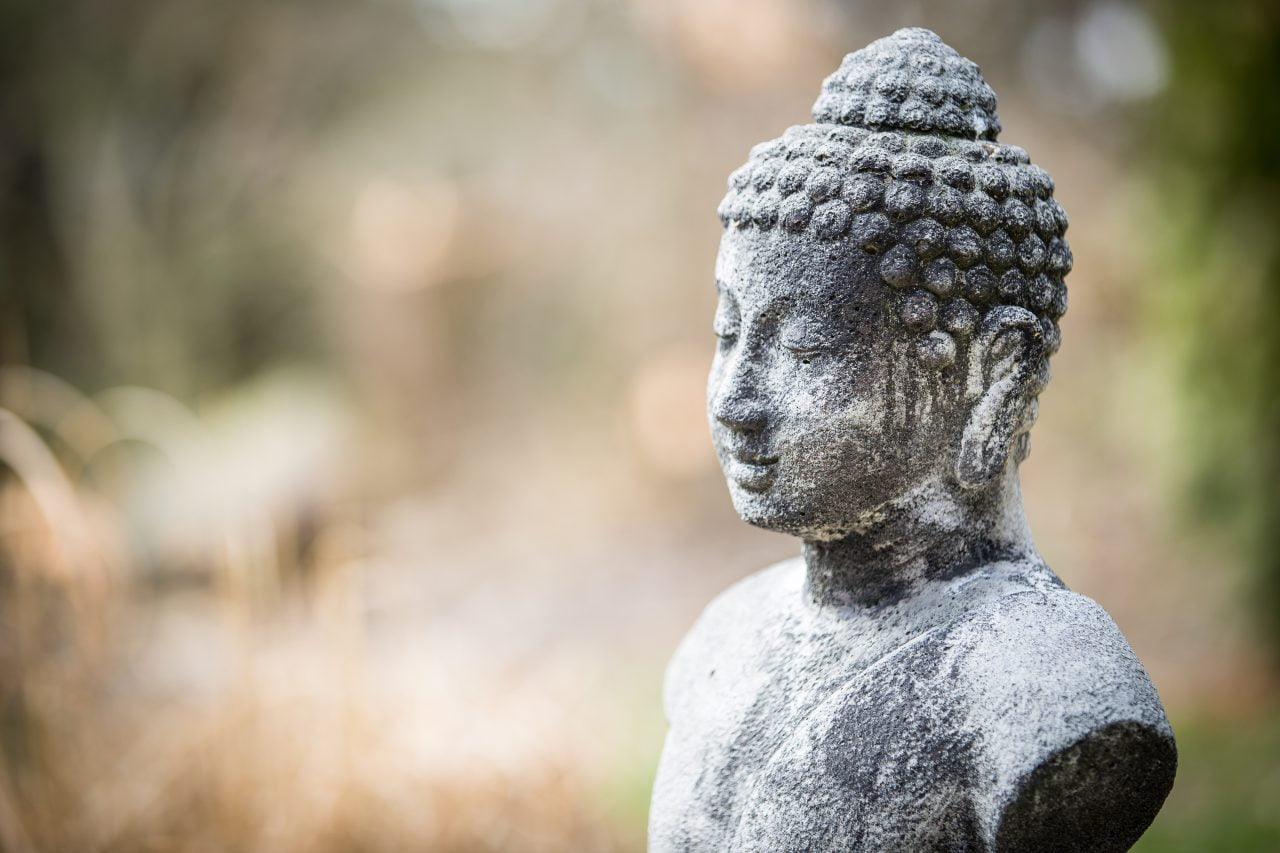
{"x":264,"y":729}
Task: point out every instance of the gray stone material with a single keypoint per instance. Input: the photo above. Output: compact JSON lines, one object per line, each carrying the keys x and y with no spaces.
{"x":890,"y":284}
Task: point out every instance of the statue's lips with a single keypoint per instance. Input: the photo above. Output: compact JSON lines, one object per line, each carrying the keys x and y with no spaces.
{"x":754,"y":472}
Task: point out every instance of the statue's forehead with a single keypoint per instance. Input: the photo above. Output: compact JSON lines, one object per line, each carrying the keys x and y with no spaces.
{"x":764,"y":267}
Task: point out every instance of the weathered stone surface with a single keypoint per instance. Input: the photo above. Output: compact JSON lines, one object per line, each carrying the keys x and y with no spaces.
{"x":890,"y":284}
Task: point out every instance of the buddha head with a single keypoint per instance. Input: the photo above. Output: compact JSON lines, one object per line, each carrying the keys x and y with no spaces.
{"x":890,"y":283}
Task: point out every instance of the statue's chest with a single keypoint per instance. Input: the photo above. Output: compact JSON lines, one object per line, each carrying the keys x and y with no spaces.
{"x":774,"y":737}
{"x":736,"y":709}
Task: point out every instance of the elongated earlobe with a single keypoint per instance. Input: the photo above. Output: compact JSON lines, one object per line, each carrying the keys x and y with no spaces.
{"x":1005,"y":359}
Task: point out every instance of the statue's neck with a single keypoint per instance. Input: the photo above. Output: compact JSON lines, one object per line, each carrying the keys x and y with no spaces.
{"x":932,"y":533}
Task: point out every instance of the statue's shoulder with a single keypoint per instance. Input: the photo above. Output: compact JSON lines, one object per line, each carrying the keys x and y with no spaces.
{"x":1051,"y":649}
{"x":729,"y":631}
{"x":1065,"y":721}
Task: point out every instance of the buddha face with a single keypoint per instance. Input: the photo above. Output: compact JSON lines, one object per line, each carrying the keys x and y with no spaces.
{"x":819,"y":412}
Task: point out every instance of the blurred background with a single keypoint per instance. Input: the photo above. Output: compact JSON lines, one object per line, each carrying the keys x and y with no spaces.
{"x":354,"y":480}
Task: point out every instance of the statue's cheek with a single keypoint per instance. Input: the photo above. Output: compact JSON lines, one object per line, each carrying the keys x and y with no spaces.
{"x":842,"y":444}
{"x":839,"y":403}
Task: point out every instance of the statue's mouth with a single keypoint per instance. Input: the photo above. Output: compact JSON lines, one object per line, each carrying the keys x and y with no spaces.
{"x":747,"y":457}
{"x":754,"y":472}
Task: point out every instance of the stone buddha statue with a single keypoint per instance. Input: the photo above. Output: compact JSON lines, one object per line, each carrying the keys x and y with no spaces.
{"x":890,"y":284}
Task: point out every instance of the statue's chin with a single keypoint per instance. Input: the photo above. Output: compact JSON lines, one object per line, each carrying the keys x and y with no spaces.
{"x":771,"y":510}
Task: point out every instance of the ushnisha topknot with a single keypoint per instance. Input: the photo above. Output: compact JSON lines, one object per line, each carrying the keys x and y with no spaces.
{"x":911,"y":80}
{"x":903,"y":160}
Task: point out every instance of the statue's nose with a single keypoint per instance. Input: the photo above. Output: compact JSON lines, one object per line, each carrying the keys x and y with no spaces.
{"x":741,"y":419}
{"x":737,"y":402}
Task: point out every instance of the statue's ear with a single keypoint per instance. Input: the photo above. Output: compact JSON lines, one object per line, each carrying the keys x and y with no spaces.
{"x":1006,"y":360}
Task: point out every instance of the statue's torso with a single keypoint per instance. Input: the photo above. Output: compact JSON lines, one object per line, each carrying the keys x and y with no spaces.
{"x":795,"y":726}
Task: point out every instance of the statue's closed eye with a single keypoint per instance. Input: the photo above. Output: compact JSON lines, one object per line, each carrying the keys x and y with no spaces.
{"x":806,"y":354}
{"x":804,"y":342}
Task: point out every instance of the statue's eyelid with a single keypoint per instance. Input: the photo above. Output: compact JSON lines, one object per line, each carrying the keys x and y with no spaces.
{"x":801,"y":342}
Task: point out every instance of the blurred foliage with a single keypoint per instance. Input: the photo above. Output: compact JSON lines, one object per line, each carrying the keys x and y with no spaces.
{"x":1227,"y":791}
{"x":1216,"y":176}
{"x":145,"y":151}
